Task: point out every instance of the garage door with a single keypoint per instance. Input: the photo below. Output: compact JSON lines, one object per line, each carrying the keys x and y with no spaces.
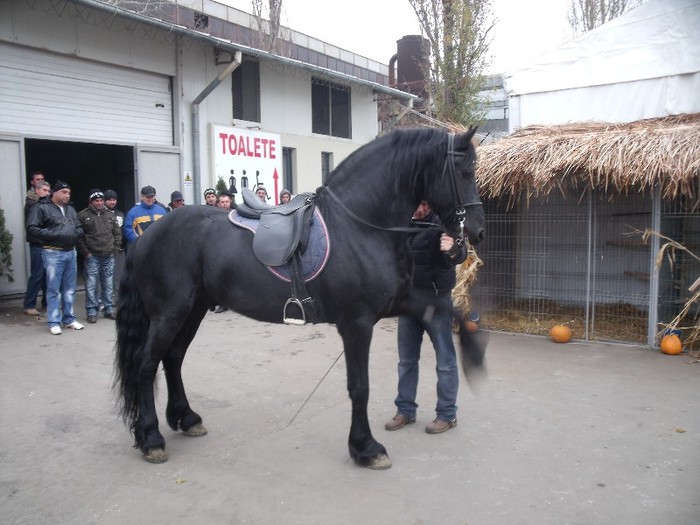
{"x":55,"y":96}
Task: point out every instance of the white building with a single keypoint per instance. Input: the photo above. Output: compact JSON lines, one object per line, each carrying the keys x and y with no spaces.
{"x":119,"y":94}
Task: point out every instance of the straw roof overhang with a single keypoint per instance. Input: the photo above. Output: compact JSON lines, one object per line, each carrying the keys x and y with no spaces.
{"x":614,"y":158}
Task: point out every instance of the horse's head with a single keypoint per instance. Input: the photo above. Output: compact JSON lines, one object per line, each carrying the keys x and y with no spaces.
{"x":456,"y":198}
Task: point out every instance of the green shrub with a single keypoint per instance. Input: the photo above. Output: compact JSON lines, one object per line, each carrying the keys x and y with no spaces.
{"x":220,"y":186}
{"x":5,"y":249}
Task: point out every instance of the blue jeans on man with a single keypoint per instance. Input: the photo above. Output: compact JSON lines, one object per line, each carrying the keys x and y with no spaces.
{"x":37,"y":278}
{"x":410,"y":337}
{"x":102,"y":269}
{"x":61,"y":273}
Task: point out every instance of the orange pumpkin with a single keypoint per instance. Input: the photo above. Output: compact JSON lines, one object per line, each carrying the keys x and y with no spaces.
{"x":671,"y":344}
{"x":560,"y":333}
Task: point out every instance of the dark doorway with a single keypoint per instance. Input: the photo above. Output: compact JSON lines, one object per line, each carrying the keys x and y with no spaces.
{"x":84,"y":166}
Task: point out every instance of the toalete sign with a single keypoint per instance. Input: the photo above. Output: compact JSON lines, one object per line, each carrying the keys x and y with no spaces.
{"x":248,"y":159}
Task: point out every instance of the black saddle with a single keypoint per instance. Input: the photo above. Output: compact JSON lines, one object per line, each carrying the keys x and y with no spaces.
{"x":283,"y":229}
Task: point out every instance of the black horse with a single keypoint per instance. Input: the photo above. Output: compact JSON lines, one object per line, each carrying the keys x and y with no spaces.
{"x":173,"y":276}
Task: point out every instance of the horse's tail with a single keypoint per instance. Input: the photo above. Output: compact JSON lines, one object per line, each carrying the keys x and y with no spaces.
{"x":132,"y":330}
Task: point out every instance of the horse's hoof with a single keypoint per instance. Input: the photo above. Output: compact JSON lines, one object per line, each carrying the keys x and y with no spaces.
{"x":156,"y":455}
{"x":194,"y":431}
{"x":380,"y":463}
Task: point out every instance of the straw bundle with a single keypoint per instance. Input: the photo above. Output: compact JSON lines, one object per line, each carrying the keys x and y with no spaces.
{"x":634,"y":156}
{"x":466,"y":275}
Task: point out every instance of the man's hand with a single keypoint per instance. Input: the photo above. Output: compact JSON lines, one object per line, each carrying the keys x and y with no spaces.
{"x":446,"y":243}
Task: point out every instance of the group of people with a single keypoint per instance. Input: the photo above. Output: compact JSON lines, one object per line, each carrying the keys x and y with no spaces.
{"x":55,"y":230}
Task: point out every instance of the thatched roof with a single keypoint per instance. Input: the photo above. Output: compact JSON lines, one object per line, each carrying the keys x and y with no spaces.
{"x":615,"y":158}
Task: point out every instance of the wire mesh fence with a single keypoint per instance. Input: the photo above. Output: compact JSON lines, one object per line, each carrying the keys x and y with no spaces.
{"x":579,"y":259}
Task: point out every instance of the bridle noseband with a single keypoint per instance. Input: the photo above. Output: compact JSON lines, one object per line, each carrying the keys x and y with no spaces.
{"x":461,"y":203}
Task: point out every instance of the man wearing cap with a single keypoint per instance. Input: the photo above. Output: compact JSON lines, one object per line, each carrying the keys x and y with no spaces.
{"x":143,"y":215}
{"x":56,"y":226}
{"x":111,"y":205}
{"x":176,"y":201}
{"x":102,"y":241}
{"x":210,"y":197}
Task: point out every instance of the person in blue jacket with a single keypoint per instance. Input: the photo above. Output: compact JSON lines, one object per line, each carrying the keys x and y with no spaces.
{"x":143,"y":215}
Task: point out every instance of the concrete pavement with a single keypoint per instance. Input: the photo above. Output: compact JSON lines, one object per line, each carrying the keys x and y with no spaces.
{"x":556,"y":434}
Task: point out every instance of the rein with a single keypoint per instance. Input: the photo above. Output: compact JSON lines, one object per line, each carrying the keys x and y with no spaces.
{"x":359,"y":219}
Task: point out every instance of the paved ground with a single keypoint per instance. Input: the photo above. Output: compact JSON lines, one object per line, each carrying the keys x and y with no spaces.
{"x":556,"y":434}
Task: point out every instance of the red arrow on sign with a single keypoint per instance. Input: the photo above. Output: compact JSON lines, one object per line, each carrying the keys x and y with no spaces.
{"x":275,"y":177}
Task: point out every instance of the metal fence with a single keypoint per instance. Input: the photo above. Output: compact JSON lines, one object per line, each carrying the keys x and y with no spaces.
{"x":580,"y":259}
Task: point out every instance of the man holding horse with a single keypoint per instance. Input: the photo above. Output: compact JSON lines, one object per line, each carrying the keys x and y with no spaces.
{"x":435,"y":255}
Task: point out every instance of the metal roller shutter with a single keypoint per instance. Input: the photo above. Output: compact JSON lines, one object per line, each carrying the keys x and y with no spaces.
{"x":55,"y":96}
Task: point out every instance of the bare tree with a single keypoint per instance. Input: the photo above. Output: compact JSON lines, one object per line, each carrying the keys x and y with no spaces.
{"x":268,"y":31}
{"x":585,"y":15}
{"x":459,"y":35}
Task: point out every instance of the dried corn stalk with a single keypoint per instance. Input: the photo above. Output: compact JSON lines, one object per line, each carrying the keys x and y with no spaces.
{"x":466,"y":275}
{"x":686,"y":320}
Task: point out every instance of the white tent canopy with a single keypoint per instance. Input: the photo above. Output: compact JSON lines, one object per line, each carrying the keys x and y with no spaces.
{"x":645,"y":63}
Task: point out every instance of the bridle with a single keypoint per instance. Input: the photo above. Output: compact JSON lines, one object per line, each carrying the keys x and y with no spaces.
{"x":461,"y":203}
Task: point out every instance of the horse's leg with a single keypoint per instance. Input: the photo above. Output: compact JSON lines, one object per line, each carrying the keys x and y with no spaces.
{"x":364,"y":449}
{"x":146,"y":433}
{"x":148,"y":436}
{"x":178,"y":412}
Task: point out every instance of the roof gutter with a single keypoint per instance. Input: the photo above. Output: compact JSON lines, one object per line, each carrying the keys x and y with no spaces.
{"x":232,"y":47}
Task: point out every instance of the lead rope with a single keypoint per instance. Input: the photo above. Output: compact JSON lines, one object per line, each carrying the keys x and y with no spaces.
{"x":314,"y":390}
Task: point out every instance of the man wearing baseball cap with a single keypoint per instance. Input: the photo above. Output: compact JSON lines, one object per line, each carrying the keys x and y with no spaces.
{"x":102,"y":241}
{"x":56,"y":226}
{"x":143,"y":215}
{"x":176,"y":201}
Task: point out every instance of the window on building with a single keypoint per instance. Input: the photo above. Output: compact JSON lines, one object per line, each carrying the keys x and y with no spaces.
{"x":288,"y":168}
{"x":330,"y":108}
{"x":326,"y":165}
{"x":201,"y":21}
{"x":245,"y":84}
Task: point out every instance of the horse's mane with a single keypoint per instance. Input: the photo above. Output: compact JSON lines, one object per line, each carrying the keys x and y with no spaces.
{"x":400,"y":151}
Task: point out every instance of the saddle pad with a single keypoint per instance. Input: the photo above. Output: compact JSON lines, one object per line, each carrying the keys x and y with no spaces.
{"x":313,"y":260}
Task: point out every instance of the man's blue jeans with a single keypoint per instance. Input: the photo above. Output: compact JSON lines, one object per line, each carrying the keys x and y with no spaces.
{"x":410,"y":337}
{"x":101,"y":268}
{"x":37,"y":279}
{"x":61,"y":272}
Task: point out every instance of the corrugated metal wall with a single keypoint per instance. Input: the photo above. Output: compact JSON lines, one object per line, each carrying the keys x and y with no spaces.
{"x":43,"y":94}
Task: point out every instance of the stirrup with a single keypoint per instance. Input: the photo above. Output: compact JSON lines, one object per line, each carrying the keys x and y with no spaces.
{"x":294,"y":320}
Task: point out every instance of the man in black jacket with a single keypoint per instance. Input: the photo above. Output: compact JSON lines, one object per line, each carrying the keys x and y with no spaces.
{"x":435,"y":255}
{"x":56,"y":227}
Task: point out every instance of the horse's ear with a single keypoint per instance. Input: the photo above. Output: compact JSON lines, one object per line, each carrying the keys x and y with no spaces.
{"x":470,"y":132}
{"x":465,"y":138}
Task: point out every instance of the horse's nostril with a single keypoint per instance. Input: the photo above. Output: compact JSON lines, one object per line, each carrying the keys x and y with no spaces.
{"x":481,"y":235}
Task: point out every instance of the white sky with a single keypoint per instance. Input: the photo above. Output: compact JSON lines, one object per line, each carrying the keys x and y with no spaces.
{"x":524,"y":29}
